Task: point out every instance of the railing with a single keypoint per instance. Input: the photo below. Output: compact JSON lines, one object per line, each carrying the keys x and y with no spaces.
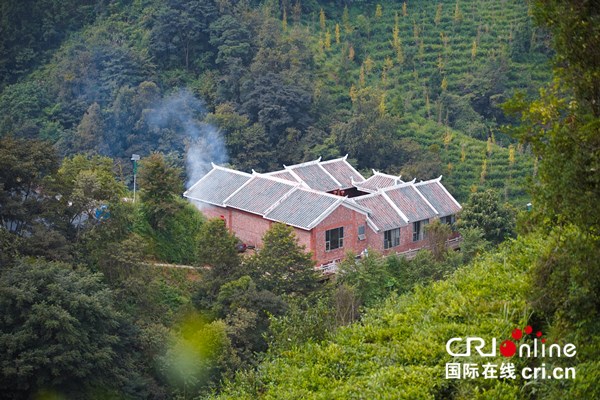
{"x":332,"y":267}
{"x":328,"y":269}
{"x":452,"y":244}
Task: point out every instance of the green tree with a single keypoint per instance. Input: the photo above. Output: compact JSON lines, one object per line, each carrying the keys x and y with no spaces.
{"x":437,"y":235}
{"x":282,"y":265}
{"x":83,"y":185}
{"x":369,"y":279}
{"x":24,"y":165}
{"x":485,"y":211}
{"x":160,"y":185}
{"x":217,"y":253}
{"x":59,"y":331}
{"x":563,"y":127}
{"x":217,"y":248}
{"x":247,"y":312}
{"x":89,"y":134}
{"x":231,"y":37}
{"x":180,"y":32}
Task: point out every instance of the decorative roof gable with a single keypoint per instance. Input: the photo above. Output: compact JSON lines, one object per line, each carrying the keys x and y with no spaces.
{"x":259,"y":193}
{"x":342,"y":171}
{"x":439,"y":197}
{"x":217,"y":185}
{"x":378,"y":181}
{"x":302,"y":208}
{"x":383,"y":213}
{"x":411,"y":202}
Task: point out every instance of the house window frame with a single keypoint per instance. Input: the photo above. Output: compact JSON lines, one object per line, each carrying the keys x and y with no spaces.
{"x":419,"y":230}
{"x":338,"y":241}
{"x":391,"y":238}
{"x":449,"y":220}
{"x":362,"y":232}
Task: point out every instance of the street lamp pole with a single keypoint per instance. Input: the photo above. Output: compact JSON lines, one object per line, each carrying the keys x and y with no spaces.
{"x":135,"y":158}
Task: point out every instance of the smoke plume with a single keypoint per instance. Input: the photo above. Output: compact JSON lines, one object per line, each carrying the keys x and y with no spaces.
{"x":183,"y":113}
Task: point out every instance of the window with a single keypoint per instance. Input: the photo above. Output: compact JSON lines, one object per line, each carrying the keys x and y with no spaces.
{"x":361,"y":232}
{"x":334,"y":239}
{"x":450,"y":220}
{"x":391,"y":238}
{"x":419,"y":230}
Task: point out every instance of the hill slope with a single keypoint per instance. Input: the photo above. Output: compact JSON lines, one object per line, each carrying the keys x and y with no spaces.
{"x":410,"y":88}
{"x":398,"y":350}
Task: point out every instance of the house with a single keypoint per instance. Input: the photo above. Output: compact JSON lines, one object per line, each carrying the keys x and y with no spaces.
{"x":331,"y":206}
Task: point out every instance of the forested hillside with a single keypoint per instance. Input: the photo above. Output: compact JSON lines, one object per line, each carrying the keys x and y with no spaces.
{"x":109,"y":293}
{"x":410,"y":88}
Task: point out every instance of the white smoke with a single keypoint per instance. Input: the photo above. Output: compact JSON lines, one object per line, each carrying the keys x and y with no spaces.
{"x":204,"y":142}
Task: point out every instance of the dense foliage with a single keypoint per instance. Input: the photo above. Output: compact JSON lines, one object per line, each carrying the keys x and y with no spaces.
{"x":59,"y":331}
{"x":414,"y":90}
{"x":397,"y":351}
{"x":107,"y":294}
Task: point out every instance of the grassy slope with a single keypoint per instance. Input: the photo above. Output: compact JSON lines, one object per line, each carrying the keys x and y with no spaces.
{"x":398,"y":350}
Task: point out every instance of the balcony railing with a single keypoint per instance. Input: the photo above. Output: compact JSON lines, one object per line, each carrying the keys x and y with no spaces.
{"x":328,"y":269}
{"x":333,"y":267}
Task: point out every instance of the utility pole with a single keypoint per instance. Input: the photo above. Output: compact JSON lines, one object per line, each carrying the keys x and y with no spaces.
{"x":135,"y":158}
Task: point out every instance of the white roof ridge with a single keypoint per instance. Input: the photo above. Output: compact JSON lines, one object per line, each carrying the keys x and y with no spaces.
{"x":185,"y":194}
{"x":236,"y":191}
{"x":349,"y":201}
{"x":395,"y":207}
{"x":364,"y":196}
{"x":372,"y":224}
{"x":331,"y":176}
{"x":334,"y":160}
{"x":214,"y":167}
{"x":325,"y":213}
{"x":304,"y":164}
{"x":297,"y":177}
{"x":396,"y":177}
{"x":281,"y":199}
{"x":434,"y":180}
{"x":277,"y":179}
{"x":438,"y":181}
{"x":235,"y":171}
{"x":398,"y":186}
{"x":282,"y":171}
{"x":345,"y":161}
{"x":425,"y":199}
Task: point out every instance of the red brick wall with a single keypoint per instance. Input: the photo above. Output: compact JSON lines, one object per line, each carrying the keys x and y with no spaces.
{"x":211,"y":211}
{"x":342,"y":217}
{"x":304,"y":239}
{"x":250,"y":228}
{"x":375,"y":240}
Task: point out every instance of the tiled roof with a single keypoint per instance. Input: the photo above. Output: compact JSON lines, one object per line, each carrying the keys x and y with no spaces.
{"x":383,"y":214}
{"x":218,"y":184}
{"x":410,"y":201}
{"x":302,"y":208}
{"x":283,"y":175}
{"x":439,"y":197}
{"x":259,"y":193}
{"x":297,"y":195}
{"x":378,"y":181}
{"x":315,"y":176}
{"x":343,"y":172}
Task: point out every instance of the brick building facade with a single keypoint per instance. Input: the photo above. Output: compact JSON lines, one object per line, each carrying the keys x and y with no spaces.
{"x":331,"y":206}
